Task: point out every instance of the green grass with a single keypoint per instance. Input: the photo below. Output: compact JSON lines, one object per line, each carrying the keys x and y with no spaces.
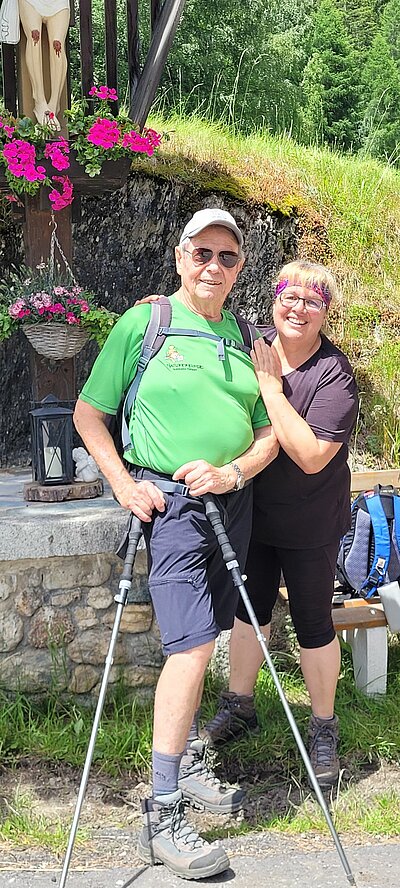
{"x":23,"y":825}
{"x":53,"y":730}
{"x":59,"y":731}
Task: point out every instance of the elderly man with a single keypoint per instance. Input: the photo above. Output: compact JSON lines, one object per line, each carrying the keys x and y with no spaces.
{"x":199,"y":425}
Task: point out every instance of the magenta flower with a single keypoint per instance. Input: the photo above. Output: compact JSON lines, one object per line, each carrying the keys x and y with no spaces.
{"x":58,"y":153}
{"x":104,"y":133}
{"x":153,"y":137}
{"x":71,"y":318}
{"x":104,"y":92}
{"x":64,"y":199}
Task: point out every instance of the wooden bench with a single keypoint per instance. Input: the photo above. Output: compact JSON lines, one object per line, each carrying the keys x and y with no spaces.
{"x":362,"y":624}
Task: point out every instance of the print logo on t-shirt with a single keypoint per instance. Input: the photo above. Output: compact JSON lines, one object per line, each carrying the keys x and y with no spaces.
{"x":174,"y":360}
{"x":173,"y":354}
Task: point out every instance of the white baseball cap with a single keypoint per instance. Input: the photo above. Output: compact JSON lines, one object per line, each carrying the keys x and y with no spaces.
{"x":211,"y":216}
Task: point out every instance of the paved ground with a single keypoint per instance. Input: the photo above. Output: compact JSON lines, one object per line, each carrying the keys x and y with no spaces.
{"x":373,"y":866}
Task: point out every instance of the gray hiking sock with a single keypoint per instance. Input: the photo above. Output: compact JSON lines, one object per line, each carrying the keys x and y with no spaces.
{"x":165,"y":773}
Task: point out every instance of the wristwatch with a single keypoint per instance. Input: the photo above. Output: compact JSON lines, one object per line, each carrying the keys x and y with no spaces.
{"x":240,"y":480}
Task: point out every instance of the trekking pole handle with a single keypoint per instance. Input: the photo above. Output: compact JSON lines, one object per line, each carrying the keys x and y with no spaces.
{"x":214,"y":517}
{"x":135,"y":532}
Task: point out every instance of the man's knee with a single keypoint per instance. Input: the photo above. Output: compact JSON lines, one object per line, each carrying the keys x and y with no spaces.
{"x":197,"y":657}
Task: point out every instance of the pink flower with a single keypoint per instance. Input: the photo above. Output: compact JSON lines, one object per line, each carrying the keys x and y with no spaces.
{"x":135,"y":142}
{"x":57,"y":200}
{"x":71,"y":318}
{"x":15,"y":309}
{"x":104,"y":92}
{"x":84,"y":307}
{"x":104,"y":133}
{"x":58,"y":153}
{"x":11,"y":198}
{"x":9,"y":130}
{"x":153,"y":137}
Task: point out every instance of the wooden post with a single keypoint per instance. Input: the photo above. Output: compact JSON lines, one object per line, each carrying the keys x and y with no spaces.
{"x":48,"y":377}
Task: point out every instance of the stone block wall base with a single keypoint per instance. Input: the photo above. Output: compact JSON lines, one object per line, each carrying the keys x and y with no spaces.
{"x":58,"y":493}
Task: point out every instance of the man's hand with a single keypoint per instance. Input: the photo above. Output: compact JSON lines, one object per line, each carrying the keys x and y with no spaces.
{"x":201,"y":477}
{"x":140,"y":497}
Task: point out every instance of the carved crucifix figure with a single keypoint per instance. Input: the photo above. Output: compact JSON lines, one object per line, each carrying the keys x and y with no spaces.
{"x":55,"y":14}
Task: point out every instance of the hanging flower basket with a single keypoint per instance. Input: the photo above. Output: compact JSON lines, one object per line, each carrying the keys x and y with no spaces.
{"x":56,"y":314}
{"x":55,"y":341}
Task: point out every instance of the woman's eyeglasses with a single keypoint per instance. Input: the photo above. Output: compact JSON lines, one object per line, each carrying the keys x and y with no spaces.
{"x":290,"y":301}
{"x":202,"y":256}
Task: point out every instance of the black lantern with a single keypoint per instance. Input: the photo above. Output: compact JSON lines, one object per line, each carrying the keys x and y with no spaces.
{"x":51,"y":426}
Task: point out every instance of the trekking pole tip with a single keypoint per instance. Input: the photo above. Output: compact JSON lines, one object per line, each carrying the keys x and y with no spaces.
{"x":351,"y":879}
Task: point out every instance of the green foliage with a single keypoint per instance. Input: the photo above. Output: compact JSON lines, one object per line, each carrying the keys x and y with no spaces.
{"x":380,"y":123}
{"x":289,"y":66}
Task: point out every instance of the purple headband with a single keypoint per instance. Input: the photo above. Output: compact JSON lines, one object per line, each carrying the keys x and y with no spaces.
{"x":320,"y":289}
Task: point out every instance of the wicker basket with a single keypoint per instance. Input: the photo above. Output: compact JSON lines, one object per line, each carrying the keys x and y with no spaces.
{"x":54,"y":340}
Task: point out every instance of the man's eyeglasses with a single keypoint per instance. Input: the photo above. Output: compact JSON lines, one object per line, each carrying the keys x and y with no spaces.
{"x":291,"y":301}
{"x":203,"y":255}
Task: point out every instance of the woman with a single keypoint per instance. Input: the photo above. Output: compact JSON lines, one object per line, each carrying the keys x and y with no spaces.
{"x":301,"y":507}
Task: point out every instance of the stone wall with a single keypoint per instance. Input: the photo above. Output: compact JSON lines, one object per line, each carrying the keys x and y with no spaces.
{"x":56,"y":617}
{"x":124,"y":249}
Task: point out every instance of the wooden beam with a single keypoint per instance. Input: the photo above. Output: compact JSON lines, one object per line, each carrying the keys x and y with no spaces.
{"x":155,"y":12}
{"x":86,"y":44}
{"x":133,"y":45}
{"x":367,"y":480}
{"x":9,"y":77}
{"x":110,"y":16}
{"x":164,"y":33}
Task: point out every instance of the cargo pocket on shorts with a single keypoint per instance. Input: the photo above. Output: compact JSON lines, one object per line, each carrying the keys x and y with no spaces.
{"x":179,"y":607}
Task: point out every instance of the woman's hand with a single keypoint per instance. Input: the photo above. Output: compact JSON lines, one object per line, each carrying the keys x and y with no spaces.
{"x":154,"y":297}
{"x":267,"y":368}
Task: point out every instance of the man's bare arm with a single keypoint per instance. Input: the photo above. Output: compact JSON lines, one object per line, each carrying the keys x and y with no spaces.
{"x":139,"y":497}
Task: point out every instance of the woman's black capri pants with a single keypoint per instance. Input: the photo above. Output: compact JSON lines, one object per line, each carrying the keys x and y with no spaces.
{"x":309,"y":576}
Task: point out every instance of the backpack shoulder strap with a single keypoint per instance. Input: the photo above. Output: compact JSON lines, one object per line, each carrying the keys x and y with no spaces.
{"x":161,"y":313}
{"x":381,"y":533}
{"x":396,"y":523}
{"x":248,"y":330}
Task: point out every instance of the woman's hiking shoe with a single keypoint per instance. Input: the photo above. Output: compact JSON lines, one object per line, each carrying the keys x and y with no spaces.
{"x":168,"y":838}
{"x":323,"y":739}
{"x":236,"y":716}
{"x":201,"y":787}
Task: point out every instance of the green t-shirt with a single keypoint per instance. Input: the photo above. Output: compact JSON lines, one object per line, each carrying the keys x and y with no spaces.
{"x":189,"y":405}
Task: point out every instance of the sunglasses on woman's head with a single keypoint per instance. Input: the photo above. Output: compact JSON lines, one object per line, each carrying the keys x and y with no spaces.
{"x":203,"y":255}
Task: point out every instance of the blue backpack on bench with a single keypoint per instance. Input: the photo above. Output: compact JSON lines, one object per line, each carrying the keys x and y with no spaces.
{"x":369,"y":554}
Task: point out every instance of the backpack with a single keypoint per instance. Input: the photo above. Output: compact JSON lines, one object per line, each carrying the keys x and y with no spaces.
{"x":156,"y":331}
{"x":369,"y":554}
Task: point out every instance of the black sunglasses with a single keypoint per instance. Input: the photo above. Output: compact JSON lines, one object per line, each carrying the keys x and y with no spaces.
{"x":202,"y":255}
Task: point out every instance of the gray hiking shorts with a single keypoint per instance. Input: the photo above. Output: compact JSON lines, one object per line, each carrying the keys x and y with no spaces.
{"x":192,"y":591}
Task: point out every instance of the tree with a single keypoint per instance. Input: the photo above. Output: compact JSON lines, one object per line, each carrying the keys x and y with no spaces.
{"x":330,"y":79}
{"x":380,"y":124}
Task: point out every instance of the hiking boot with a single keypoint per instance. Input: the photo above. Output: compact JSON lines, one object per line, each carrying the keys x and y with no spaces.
{"x":199,"y":785}
{"x":168,"y":838}
{"x":235,"y":716}
{"x":323,"y":738}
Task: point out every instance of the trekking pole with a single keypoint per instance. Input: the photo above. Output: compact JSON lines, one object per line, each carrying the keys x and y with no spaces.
{"x":125,"y":583}
{"x":229,"y":557}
